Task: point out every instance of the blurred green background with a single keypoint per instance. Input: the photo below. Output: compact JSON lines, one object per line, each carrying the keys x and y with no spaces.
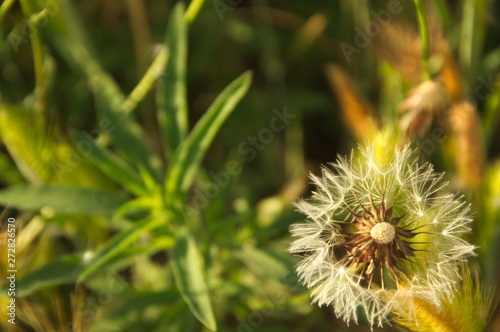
{"x":256,"y":166}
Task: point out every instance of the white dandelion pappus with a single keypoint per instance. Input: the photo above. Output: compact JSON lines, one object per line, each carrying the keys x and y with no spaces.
{"x":379,"y":235}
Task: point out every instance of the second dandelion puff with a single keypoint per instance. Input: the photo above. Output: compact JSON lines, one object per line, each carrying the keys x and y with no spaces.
{"x":380,"y":234}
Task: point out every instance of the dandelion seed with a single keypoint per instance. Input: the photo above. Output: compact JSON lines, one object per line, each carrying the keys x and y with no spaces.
{"x":378,"y":236}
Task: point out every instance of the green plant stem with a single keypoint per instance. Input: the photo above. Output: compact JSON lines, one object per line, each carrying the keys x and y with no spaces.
{"x":4,"y":8}
{"x":193,"y":10}
{"x":472,"y":32}
{"x":39,"y":60}
{"x":424,"y":37}
{"x":444,"y":14}
{"x":147,"y":81}
{"x":156,"y":68}
{"x":35,"y":20}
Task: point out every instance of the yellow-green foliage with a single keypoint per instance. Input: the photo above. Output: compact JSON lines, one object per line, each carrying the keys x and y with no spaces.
{"x":468,"y":311}
{"x":40,"y":152}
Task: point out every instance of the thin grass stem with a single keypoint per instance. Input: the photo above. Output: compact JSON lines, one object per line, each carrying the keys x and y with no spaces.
{"x":4,"y":8}
{"x":36,"y":20}
{"x":193,"y":10}
{"x":152,"y":75}
{"x":424,"y":37}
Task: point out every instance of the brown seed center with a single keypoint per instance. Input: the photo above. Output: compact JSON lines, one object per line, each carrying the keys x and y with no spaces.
{"x":383,"y":233}
{"x":379,"y":243}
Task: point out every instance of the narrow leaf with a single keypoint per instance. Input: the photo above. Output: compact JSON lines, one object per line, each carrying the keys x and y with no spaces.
{"x":116,"y":245}
{"x":63,"y":199}
{"x":187,"y":158}
{"x":269,"y":263}
{"x":136,"y":205}
{"x":110,"y":164}
{"x":187,"y":266}
{"x":172,"y":110}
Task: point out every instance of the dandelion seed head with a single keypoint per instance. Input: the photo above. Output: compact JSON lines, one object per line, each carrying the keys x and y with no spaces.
{"x":383,"y":233}
{"x":380,"y":232}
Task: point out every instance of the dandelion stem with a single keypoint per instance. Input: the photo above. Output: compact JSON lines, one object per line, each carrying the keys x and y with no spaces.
{"x":424,"y":37}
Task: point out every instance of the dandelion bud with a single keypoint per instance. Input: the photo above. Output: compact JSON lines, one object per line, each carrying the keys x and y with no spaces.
{"x":380,"y":235}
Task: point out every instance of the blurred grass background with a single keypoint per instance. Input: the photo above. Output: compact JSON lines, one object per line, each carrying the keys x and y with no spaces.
{"x":288,"y":46}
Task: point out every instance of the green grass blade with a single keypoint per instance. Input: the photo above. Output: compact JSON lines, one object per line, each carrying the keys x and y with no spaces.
{"x":172,"y":103}
{"x":187,"y":265}
{"x":492,"y":113}
{"x":187,"y":158}
{"x":445,"y":15}
{"x":472,"y":33}
{"x":63,"y":199}
{"x":110,"y":164}
{"x":488,"y":223}
{"x":116,"y":245}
